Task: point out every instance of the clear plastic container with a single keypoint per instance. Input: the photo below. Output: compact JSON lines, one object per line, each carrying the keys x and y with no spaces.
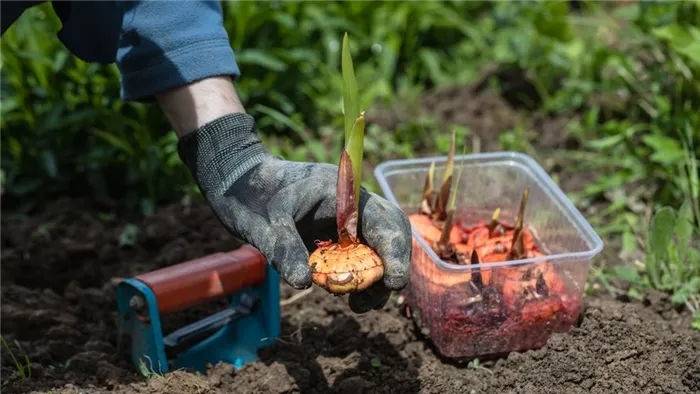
{"x":465,"y":319}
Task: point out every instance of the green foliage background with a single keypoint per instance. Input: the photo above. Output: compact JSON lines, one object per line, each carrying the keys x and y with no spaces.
{"x":630,"y":73}
{"x":66,"y":130}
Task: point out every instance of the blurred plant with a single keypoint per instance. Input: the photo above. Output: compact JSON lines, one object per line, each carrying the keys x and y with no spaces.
{"x":672,"y":246}
{"x":636,"y":88}
{"x":672,"y":261}
{"x":65,"y":130}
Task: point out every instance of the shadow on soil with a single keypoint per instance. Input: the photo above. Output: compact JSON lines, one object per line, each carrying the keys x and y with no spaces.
{"x":354,"y":360}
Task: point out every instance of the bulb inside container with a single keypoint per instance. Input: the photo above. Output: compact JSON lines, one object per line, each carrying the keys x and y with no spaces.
{"x":522,"y":292}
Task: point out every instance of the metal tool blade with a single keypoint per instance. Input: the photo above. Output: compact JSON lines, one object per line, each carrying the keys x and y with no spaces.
{"x":191,"y":334}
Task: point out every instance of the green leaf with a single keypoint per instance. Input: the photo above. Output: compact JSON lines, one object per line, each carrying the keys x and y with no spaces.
{"x":282,"y":119}
{"x":629,"y":274}
{"x":143,"y":368}
{"x":684,"y":40}
{"x":661,"y":231}
{"x":674,"y":267}
{"x":693,"y":285}
{"x":431,"y":61}
{"x":606,"y":142}
{"x":684,"y":230}
{"x":15,"y":148}
{"x":666,"y":149}
{"x":49,"y":160}
{"x":351,"y":107}
{"x":686,"y":292}
{"x":115,"y":141}
{"x":629,"y":241}
{"x":25,"y":187}
{"x":672,"y":33}
{"x":633,"y":292}
{"x":658,"y":239}
{"x":696,"y":320}
{"x":551,"y":20}
{"x":355,"y":149}
{"x":693,"y":262}
{"x":262,"y":59}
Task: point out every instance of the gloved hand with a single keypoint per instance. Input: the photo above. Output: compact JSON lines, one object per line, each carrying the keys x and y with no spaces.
{"x":281,"y":207}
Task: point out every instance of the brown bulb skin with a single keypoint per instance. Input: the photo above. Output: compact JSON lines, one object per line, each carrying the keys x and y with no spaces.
{"x":345,"y":269}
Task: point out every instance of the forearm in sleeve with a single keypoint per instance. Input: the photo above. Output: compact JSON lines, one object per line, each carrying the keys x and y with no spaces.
{"x":168,"y":44}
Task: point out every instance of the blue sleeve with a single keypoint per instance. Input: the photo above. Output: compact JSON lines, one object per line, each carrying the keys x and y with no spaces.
{"x":166,"y":44}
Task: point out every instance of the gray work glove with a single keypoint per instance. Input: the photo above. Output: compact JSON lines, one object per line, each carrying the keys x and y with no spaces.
{"x":281,"y":207}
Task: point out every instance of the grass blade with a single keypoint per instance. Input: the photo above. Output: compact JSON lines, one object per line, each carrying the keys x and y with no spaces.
{"x":20,"y":368}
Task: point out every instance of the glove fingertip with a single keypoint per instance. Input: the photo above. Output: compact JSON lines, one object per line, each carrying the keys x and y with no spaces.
{"x":397,"y":263}
{"x":396,"y":282}
{"x":289,"y":257}
{"x":296,"y":273}
{"x":298,"y":279}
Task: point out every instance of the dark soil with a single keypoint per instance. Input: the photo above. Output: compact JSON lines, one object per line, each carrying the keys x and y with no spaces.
{"x":60,"y":268}
{"x":58,"y":304}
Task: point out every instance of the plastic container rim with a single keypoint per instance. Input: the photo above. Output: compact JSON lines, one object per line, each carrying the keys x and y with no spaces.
{"x":574,"y":216}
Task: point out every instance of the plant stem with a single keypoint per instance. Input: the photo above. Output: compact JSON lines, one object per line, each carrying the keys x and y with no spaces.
{"x":429,"y":194}
{"x":345,"y":203}
{"x":517,"y":248}
{"x":441,"y":208}
{"x":350,"y":165}
{"x":451,"y":206}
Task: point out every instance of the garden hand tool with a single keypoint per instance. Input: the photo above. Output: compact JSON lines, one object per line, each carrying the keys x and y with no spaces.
{"x":233,"y":335}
